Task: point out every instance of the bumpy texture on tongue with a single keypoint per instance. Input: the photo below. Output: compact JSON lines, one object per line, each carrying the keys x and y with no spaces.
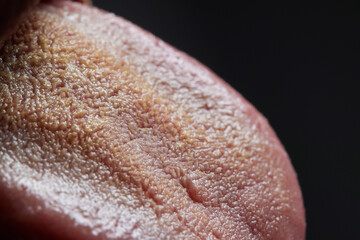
{"x":111,"y":133}
{"x":12,"y":12}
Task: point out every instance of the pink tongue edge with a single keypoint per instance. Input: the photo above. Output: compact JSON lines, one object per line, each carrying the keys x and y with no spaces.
{"x":24,"y":216}
{"x":49,"y":218}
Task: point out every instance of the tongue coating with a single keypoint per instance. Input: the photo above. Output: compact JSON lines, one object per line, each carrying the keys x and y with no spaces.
{"x":109,"y":133}
{"x":12,"y":12}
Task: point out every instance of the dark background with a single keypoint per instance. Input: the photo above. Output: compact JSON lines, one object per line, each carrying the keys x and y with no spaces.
{"x":298,"y":64}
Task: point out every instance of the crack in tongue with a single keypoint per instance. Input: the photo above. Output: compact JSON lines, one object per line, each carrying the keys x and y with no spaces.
{"x":92,"y":103}
{"x":123,"y":152}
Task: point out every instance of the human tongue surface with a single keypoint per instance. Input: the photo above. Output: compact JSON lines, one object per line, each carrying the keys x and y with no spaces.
{"x":106,"y":132}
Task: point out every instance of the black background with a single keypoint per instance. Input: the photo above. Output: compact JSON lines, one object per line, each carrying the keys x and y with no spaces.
{"x":298,"y":64}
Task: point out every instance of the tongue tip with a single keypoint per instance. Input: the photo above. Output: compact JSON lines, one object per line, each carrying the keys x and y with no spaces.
{"x":62,"y":2}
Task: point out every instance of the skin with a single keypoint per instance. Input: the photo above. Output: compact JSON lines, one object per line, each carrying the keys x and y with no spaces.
{"x":106,"y":132}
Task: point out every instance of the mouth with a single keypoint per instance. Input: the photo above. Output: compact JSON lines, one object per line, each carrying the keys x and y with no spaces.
{"x":107,"y":132}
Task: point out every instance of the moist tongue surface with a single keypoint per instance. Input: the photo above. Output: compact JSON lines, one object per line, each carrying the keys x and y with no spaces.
{"x":108,"y":132}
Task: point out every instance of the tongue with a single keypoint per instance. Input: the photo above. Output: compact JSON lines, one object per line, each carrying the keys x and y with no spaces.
{"x":107,"y":132}
{"x":13,"y":12}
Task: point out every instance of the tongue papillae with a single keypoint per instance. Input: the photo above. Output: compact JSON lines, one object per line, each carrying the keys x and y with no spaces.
{"x":106,"y":132}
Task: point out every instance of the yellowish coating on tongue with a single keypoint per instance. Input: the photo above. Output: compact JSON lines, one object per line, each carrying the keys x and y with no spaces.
{"x":62,"y":93}
{"x":57,"y":86}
